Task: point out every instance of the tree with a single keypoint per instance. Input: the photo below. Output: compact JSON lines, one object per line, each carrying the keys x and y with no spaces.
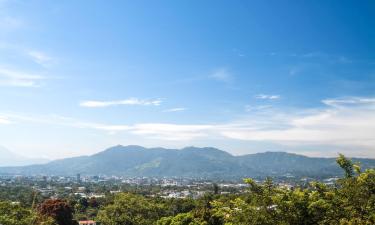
{"x":14,"y":214}
{"x":346,"y":165}
{"x":180,"y":219}
{"x":59,"y":210}
{"x":216,"y":188}
{"x":93,"y":202}
{"x":131,"y":209}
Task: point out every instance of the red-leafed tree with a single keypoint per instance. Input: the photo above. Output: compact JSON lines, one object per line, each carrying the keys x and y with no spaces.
{"x":57,"y":209}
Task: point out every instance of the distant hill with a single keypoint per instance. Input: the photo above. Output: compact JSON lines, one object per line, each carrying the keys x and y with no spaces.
{"x":8,"y":158}
{"x":187,"y":162}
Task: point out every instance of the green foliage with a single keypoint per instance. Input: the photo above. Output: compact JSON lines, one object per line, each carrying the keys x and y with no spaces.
{"x":131,"y":209}
{"x":24,"y":195}
{"x":352,"y":203}
{"x":180,"y":219}
{"x":14,"y":214}
{"x":346,"y":165}
{"x":176,"y":206}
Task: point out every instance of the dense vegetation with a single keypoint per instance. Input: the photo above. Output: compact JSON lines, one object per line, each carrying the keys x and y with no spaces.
{"x":350,"y":201}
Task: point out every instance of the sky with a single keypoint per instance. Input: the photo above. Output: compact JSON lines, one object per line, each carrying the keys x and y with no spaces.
{"x":77,"y":77}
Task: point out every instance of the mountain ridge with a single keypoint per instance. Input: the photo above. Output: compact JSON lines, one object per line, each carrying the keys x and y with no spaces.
{"x":207,"y":162}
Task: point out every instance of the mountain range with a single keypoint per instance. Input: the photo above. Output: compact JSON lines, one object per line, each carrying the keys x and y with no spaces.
{"x":187,"y":162}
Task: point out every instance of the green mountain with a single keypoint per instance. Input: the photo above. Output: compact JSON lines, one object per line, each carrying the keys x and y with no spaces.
{"x":187,"y":162}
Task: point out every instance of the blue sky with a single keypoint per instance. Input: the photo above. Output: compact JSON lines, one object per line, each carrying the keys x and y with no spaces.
{"x":244,"y":76}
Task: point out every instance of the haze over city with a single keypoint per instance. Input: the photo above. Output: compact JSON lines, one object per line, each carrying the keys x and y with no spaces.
{"x":77,"y":77}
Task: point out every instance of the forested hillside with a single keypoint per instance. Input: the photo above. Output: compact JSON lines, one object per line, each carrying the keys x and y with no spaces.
{"x":187,"y":162}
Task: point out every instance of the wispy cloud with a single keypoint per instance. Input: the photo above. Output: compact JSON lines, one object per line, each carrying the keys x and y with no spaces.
{"x":179,"y":109}
{"x":343,"y":102}
{"x":129,"y":101}
{"x":348,"y":122}
{"x":317,"y":55}
{"x":342,"y":123}
{"x":250,"y":108}
{"x":40,"y":58}
{"x":19,"y":79}
{"x":222,"y":75}
{"x":268,"y":97}
{"x":53,"y":119}
{"x":163,"y":131}
{"x":4,"y":120}
{"x":172,"y":132}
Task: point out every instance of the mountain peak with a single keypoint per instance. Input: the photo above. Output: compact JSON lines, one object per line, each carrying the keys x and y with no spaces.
{"x":119,"y":149}
{"x":211,"y":150}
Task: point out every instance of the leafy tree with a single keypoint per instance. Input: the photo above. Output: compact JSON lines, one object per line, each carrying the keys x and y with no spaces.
{"x":175,"y":206}
{"x":352,"y":201}
{"x":131,"y":209}
{"x":15,"y":214}
{"x":346,"y":165}
{"x":93,"y":203}
{"x":180,"y":219}
{"x":216,"y":188}
{"x":59,"y":210}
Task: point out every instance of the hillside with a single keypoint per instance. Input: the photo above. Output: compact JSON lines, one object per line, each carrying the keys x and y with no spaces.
{"x":187,"y":162}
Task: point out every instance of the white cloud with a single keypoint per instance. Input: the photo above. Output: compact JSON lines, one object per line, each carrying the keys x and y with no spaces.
{"x":19,"y":79}
{"x":172,"y":132}
{"x":36,"y":56}
{"x":4,"y":120}
{"x":129,"y":101}
{"x":342,"y":102}
{"x":249,"y":108}
{"x":345,"y":123}
{"x":268,"y":97}
{"x":179,"y":109}
{"x":163,"y":131}
{"x":40,"y":57}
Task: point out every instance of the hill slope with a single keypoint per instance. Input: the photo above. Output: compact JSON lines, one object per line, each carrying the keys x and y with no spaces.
{"x":187,"y":162}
